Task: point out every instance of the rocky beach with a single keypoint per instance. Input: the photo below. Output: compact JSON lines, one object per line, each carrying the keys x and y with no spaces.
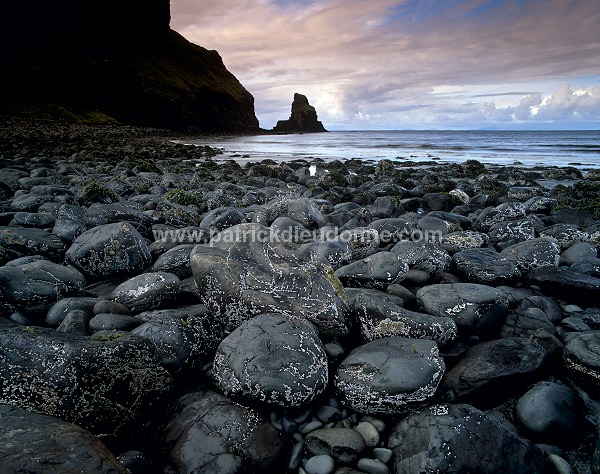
{"x":165,"y":310}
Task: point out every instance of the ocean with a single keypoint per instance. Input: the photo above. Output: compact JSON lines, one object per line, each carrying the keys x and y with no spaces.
{"x":527,"y":148}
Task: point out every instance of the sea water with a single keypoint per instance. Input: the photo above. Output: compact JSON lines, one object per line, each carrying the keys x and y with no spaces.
{"x":527,"y":148}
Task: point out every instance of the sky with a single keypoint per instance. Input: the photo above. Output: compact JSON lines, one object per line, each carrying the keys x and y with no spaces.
{"x":410,"y":64}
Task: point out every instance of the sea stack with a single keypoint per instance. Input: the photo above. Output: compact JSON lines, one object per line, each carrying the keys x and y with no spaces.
{"x":303,"y":118}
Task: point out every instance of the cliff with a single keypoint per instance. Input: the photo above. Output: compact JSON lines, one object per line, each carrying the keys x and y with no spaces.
{"x":303,"y":118}
{"x":98,"y":60}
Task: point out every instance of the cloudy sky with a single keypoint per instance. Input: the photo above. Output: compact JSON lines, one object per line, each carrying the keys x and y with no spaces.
{"x":410,"y":64}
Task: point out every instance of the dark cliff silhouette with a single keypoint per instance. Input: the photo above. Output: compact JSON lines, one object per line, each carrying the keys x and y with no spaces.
{"x":96,"y":60}
{"x":302,"y":120}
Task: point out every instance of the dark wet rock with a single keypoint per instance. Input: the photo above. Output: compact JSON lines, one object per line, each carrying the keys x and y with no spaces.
{"x":490,"y":372}
{"x":476,"y":309}
{"x":436,"y":226}
{"x":391,"y":230}
{"x":582,"y":358}
{"x":460,"y":438}
{"x":426,"y":256}
{"x":550,"y":413}
{"x":184,"y":338}
{"x":175,"y":261}
{"x":386,"y":207}
{"x":343,"y":444}
{"x":136,"y":462}
{"x":17,"y":242}
{"x":532,"y":254}
{"x":29,"y":202}
{"x":34,"y":443}
{"x":272,"y":359}
{"x":587,"y":266}
{"x":40,"y":220}
{"x":34,"y":287}
{"x":109,"y":250}
{"x":113,"y":322}
{"x":547,"y":304}
{"x":102,"y":214}
{"x":320,"y":464}
{"x":336,"y":252}
{"x":68,"y":229}
{"x":387,"y":376}
{"x":380,"y":316}
{"x":564,"y":235}
{"x":574,"y":324}
{"x":402,"y":292}
{"x":207,"y":432}
{"x":576,"y":252}
{"x":495,"y":215}
{"x":57,"y":313}
{"x":523,"y":324}
{"x":566,"y":284}
{"x":463,"y":240}
{"x":147,"y":291}
{"x":436,"y":201}
{"x":239,"y":277}
{"x":76,"y":322}
{"x":376,"y":271}
{"x":102,"y":383}
{"x":221,"y":218}
{"x":485,"y":266}
{"x":110,"y":307}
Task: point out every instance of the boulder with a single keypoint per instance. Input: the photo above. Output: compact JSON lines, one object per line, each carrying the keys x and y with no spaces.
{"x":485,"y":266}
{"x":476,"y":309}
{"x":463,"y":240}
{"x":33,"y":443}
{"x":176,"y":261}
{"x":109,"y":250}
{"x":207,"y":432}
{"x":567,"y":285}
{"x":16,"y":242}
{"x":582,"y":358}
{"x":238,"y":277}
{"x":460,"y":438}
{"x":389,"y":375}
{"x":185,"y":338}
{"x":378,"y":316}
{"x":490,"y":372}
{"x":426,"y":256}
{"x":272,"y":359}
{"x":34,"y":287}
{"x":376,"y":271}
{"x":101,"y":383}
{"x":147,"y":291}
{"x":532,"y":254}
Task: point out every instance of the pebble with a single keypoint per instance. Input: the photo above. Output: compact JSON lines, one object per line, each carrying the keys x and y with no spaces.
{"x":383,"y":454}
{"x":310,"y":426}
{"x":320,"y":464}
{"x":369,"y":433}
{"x":372,"y":466}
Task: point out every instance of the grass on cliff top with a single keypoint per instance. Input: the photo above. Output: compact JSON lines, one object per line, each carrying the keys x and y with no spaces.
{"x":46,"y":111}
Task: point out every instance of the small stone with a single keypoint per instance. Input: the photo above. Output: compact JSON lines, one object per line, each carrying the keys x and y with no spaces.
{"x":75,"y":322}
{"x":310,"y":427}
{"x":328,"y":414}
{"x":333,"y":350}
{"x":369,"y":433}
{"x":383,"y":454}
{"x":111,"y":307}
{"x":296,"y":457}
{"x":321,"y":464}
{"x":343,"y":444}
{"x":372,"y":466}
{"x":572,"y":308}
{"x":112,"y":322}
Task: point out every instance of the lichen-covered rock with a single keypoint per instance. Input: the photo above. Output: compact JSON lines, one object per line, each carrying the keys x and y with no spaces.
{"x":426,"y":256}
{"x":531,"y":254}
{"x":514,"y":231}
{"x":475,"y":308}
{"x":185,"y":338}
{"x":463,"y":240}
{"x":147,"y":291}
{"x":16,"y":242}
{"x":490,"y":372}
{"x":362,"y":241}
{"x":564,"y":235}
{"x":391,"y":230}
{"x":102,"y":383}
{"x":336,"y":252}
{"x":272,"y":359}
{"x":30,"y":442}
{"x":379,"y":317}
{"x":375,"y":271}
{"x":485,"y":266}
{"x":207,"y":432}
{"x":388,"y":376}
{"x":34,"y":287}
{"x":109,"y":250}
{"x":494,"y":215}
{"x":460,"y":438}
{"x":243,"y":273}
{"x":540,"y":204}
